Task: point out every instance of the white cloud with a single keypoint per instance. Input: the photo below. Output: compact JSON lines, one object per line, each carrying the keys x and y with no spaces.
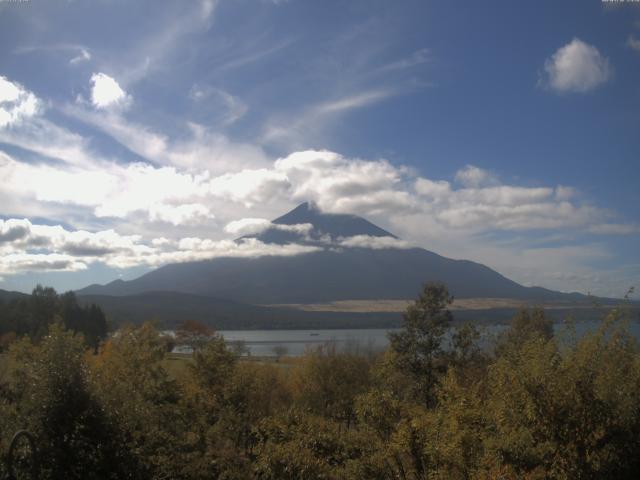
{"x":249,"y":186}
{"x":29,"y":247}
{"x":416,"y":58}
{"x":254,"y":226}
{"x":634,"y":43}
{"x":436,"y":190}
{"x":203,"y":148}
{"x":336,"y":183}
{"x":161,"y":242}
{"x":142,"y":187}
{"x":564,"y":192}
{"x":576,"y":67}
{"x":16,"y":103}
{"x":340,"y":184}
{"x":106,"y":92}
{"x":21,"y":234}
{"x":79,"y":52}
{"x":373,"y":242}
{"x":206,"y":149}
{"x":184,"y":214}
{"x":83,"y":56}
{"x":303,"y":229}
{"x":472,"y":176}
{"x":110,"y":189}
{"x":380,"y":190}
{"x":60,"y":144}
{"x":247,"y":226}
{"x":24,"y":262}
{"x":350,"y":102}
{"x":314,"y":118}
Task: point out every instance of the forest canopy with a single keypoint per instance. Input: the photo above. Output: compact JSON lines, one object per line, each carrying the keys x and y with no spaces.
{"x":32,"y":315}
{"x":533,"y":404}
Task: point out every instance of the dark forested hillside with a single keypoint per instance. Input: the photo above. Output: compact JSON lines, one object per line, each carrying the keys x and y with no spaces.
{"x":32,"y":315}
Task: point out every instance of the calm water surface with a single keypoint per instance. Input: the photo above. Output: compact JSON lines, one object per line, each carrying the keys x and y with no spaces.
{"x":295,"y":342}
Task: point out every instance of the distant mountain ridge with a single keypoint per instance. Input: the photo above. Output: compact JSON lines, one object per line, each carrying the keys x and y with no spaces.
{"x":7,"y":296}
{"x":329,"y":274}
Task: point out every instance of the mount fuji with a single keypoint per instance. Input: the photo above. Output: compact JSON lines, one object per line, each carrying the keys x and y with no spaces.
{"x":351,"y":259}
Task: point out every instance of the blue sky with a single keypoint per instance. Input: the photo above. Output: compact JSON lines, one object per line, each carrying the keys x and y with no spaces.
{"x":133,"y":134}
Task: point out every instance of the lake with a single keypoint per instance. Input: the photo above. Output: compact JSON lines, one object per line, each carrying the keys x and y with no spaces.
{"x":295,"y":342}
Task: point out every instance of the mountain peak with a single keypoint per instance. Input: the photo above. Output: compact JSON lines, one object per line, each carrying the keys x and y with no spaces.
{"x":334,"y":225}
{"x":303,"y":213}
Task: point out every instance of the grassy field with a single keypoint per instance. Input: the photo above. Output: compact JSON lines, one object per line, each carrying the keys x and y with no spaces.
{"x":391,"y":306}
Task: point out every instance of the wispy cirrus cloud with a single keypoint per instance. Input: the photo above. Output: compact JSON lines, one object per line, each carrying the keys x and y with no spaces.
{"x":214,"y":97}
{"x":199,"y":147}
{"x":78,"y":53}
{"x":418,"y":57}
{"x":316,"y":117}
{"x":249,"y":57}
{"x":83,"y":56}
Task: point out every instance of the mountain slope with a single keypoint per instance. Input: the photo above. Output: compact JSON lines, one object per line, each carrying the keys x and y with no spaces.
{"x":329,"y":274}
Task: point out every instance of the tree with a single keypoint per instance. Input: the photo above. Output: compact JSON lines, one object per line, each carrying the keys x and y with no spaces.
{"x":193,"y":334}
{"x":43,"y":307}
{"x":328,"y":382}
{"x":140,"y":399}
{"x":53,"y":400}
{"x":279,"y":351}
{"x":526,"y":325}
{"x":567,"y":412}
{"x":33,"y":315}
{"x":89,"y":320}
{"x":417,"y":348}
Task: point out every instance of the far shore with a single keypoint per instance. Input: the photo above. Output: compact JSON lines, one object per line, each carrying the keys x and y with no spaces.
{"x":392,"y":306}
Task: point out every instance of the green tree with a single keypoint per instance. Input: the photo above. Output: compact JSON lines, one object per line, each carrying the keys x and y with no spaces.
{"x":33,"y":316}
{"x":48,"y":385}
{"x":567,"y":413}
{"x":328,"y":382}
{"x":210,"y":441}
{"x":141,"y":400}
{"x":44,"y":306}
{"x":417,"y":348}
{"x":88,"y":320}
{"x":526,"y":325}
{"x":297,"y":446}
